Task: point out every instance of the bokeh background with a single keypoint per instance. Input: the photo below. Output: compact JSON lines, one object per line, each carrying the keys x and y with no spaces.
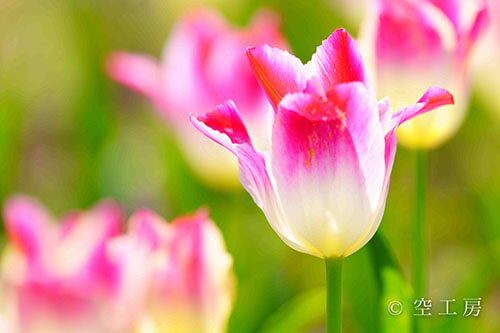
{"x":70,"y":136}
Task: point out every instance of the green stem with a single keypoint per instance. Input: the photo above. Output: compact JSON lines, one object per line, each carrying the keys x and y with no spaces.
{"x":334,"y":294}
{"x":419,"y":230}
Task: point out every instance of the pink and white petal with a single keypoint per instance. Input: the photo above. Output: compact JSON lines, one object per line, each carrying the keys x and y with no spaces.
{"x":389,"y":155}
{"x":132,"y":285}
{"x":140,"y":73}
{"x":362,"y":122}
{"x":478,"y":27}
{"x":433,"y":98}
{"x":112,"y":216}
{"x":277,"y":71}
{"x":385,"y":114}
{"x":149,"y":228}
{"x":338,"y":60}
{"x":194,"y":289}
{"x":225,"y":127}
{"x":469,"y":17}
{"x":185,"y":58}
{"x":352,"y":107}
{"x":227,"y":67}
{"x":28,"y":225}
{"x":317,"y":170}
{"x":80,"y":254}
{"x":452,"y":9}
{"x":187,"y":268}
{"x":50,"y":307}
{"x":412,"y":34}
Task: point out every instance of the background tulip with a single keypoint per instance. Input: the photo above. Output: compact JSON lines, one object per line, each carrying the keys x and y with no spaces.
{"x":414,"y":44}
{"x":203,"y":64}
{"x":59,"y":277}
{"x":186,"y":284}
{"x":487,"y":61}
{"x":323,"y":184}
{"x":86,"y":276}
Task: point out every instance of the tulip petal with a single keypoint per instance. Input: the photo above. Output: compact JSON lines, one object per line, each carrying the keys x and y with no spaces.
{"x":451,"y":8}
{"x":225,"y":127}
{"x":195,"y":287}
{"x":80,"y":252}
{"x":480,"y":24}
{"x":385,"y":114}
{"x":28,"y":225}
{"x":341,"y":158}
{"x":149,"y":228}
{"x":433,"y":98}
{"x":412,"y":34}
{"x":338,"y":60}
{"x":277,"y":71}
{"x":468,"y":29}
{"x":140,"y":73}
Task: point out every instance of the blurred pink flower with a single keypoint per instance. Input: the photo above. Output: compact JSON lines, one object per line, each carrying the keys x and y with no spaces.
{"x":487,"y":61}
{"x":414,"y":44}
{"x":85,"y":276}
{"x":59,"y":276}
{"x":190,"y":280}
{"x":203,"y":64}
{"x":324,"y":182}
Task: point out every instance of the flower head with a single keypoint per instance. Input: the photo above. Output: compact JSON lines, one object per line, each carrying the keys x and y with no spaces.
{"x":60,"y":277}
{"x":487,"y":61}
{"x":187,"y":271}
{"x":203,"y":64}
{"x":414,"y":44}
{"x":324,"y":181}
{"x":85,"y":275}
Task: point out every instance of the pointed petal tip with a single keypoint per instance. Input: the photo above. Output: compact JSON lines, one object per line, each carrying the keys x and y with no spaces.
{"x":342,"y":32}
{"x":115,"y":63}
{"x":436,"y":96}
{"x":433,"y":98}
{"x":223,"y":125}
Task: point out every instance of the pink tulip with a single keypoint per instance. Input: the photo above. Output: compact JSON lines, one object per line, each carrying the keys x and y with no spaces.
{"x":85,"y":276}
{"x":203,"y":64}
{"x":59,"y":276}
{"x":487,"y":62}
{"x":414,"y":44}
{"x":186,"y":268}
{"x":324,"y":181}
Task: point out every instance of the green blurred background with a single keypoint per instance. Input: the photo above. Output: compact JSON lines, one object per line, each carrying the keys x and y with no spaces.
{"x":70,"y":136}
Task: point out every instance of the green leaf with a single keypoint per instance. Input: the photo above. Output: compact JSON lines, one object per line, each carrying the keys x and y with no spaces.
{"x":392,"y":288}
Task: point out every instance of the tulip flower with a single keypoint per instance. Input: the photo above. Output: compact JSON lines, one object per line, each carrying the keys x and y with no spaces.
{"x":487,"y":61}
{"x":59,"y":276}
{"x":84,"y":275}
{"x":323,"y":183}
{"x":414,"y":44}
{"x":187,"y":269}
{"x":203,"y":64}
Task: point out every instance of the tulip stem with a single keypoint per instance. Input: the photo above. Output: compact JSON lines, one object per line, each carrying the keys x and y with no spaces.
{"x":419,"y":230}
{"x":334,"y":294}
